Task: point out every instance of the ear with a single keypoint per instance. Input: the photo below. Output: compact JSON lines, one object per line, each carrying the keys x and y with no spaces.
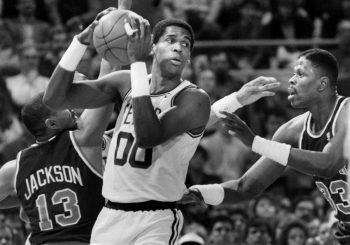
{"x":324,"y":81}
{"x":51,"y":123}
{"x":153,"y":49}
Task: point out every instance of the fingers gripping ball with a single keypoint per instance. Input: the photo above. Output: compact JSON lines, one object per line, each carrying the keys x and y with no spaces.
{"x":110,"y":39}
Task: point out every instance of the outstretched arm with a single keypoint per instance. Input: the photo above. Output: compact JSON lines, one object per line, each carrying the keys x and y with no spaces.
{"x":260,"y":176}
{"x":248,"y":94}
{"x":61,"y":93}
{"x":324,"y":164}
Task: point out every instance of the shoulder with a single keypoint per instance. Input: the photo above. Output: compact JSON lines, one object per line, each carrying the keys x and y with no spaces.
{"x":194,"y":96}
{"x":344,"y":114}
{"x":290,"y":131}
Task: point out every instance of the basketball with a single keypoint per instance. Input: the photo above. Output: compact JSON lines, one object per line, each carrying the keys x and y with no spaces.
{"x":110,"y":39}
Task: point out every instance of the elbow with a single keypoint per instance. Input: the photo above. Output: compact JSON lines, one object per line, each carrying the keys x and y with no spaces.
{"x":147,"y":139}
{"x":146,"y":142}
{"x":249,"y":191}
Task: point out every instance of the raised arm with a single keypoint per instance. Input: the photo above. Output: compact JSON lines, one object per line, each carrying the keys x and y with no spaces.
{"x":62,"y":93}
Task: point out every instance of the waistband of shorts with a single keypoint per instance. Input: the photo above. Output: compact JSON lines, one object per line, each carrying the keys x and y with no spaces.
{"x":141,"y":206}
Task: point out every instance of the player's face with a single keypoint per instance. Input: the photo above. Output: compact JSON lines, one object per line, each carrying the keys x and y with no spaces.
{"x":303,"y":84}
{"x":66,"y":119}
{"x":172,"y":52}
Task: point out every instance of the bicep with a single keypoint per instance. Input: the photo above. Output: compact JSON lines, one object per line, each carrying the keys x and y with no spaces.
{"x":186,"y":115}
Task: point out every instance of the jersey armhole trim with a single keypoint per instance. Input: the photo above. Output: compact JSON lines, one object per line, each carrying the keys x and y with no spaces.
{"x":337,"y":114}
{"x":82,"y":156}
{"x":18,"y":157}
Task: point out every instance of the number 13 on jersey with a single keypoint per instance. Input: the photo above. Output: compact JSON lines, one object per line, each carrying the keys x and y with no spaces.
{"x":128,"y":152}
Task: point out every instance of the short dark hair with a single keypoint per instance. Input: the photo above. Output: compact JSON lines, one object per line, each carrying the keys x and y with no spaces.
{"x":34,"y":115}
{"x":324,"y":59}
{"x":289,"y":226}
{"x":222,"y":219}
{"x":160,"y":27}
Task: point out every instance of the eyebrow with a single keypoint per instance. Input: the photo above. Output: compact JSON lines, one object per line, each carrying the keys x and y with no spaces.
{"x":174,"y":35}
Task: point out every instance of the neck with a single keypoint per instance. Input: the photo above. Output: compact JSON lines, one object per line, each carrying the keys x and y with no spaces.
{"x":26,"y":18}
{"x":322,"y":110}
{"x":47,"y":136}
{"x":162,"y":84}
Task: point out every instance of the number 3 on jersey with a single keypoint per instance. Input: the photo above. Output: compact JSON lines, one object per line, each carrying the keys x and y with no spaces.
{"x":126,"y":152}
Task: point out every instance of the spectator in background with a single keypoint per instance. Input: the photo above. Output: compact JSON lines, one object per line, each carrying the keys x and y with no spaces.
{"x":289,"y":21}
{"x":58,"y":43}
{"x":265,"y":208}
{"x":221,"y":231}
{"x":6,"y":235}
{"x":227,"y":154}
{"x":325,"y":15}
{"x":305,"y":209}
{"x":26,"y":28}
{"x":206,"y":80}
{"x":274,"y":118}
{"x":225,"y":82}
{"x":342,"y":53}
{"x":28,"y":83}
{"x":12,"y":137}
{"x":239,"y":219}
{"x":294,"y":233}
{"x":196,"y":174}
{"x":73,"y":14}
{"x":248,"y":27}
{"x":200,"y":14}
{"x":259,"y":232}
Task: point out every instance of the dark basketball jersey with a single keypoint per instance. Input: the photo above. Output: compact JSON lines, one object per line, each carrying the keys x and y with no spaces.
{"x":59,"y":191}
{"x":335,"y":188}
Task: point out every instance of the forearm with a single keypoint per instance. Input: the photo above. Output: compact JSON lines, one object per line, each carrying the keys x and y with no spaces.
{"x":237,"y":191}
{"x":58,"y":91}
{"x":324,"y":164}
{"x":146,"y":122}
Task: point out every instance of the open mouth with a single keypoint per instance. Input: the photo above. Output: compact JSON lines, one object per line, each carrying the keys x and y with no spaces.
{"x":176,"y":61}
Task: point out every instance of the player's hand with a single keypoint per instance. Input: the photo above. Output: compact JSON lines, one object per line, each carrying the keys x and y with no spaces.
{"x":192,"y":196}
{"x":85,"y":37}
{"x":256,"y":89}
{"x":139,"y":38}
{"x":236,"y":125}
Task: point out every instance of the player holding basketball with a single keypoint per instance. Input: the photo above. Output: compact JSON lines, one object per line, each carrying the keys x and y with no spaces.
{"x":316,"y":136}
{"x":162,"y":121}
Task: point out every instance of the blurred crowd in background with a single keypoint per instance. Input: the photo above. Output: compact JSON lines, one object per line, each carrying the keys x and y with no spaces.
{"x":35,"y":33}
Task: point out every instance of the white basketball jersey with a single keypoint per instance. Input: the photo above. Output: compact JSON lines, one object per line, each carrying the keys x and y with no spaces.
{"x":136,"y":174}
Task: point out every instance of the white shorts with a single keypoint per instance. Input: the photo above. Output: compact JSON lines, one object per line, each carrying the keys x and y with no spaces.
{"x":117,"y":227}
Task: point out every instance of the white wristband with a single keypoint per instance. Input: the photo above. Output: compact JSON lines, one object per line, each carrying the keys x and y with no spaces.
{"x":73,"y":55}
{"x":279,"y":152}
{"x":139,"y":81}
{"x":212,"y":194}
{"x":229,"y":104}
